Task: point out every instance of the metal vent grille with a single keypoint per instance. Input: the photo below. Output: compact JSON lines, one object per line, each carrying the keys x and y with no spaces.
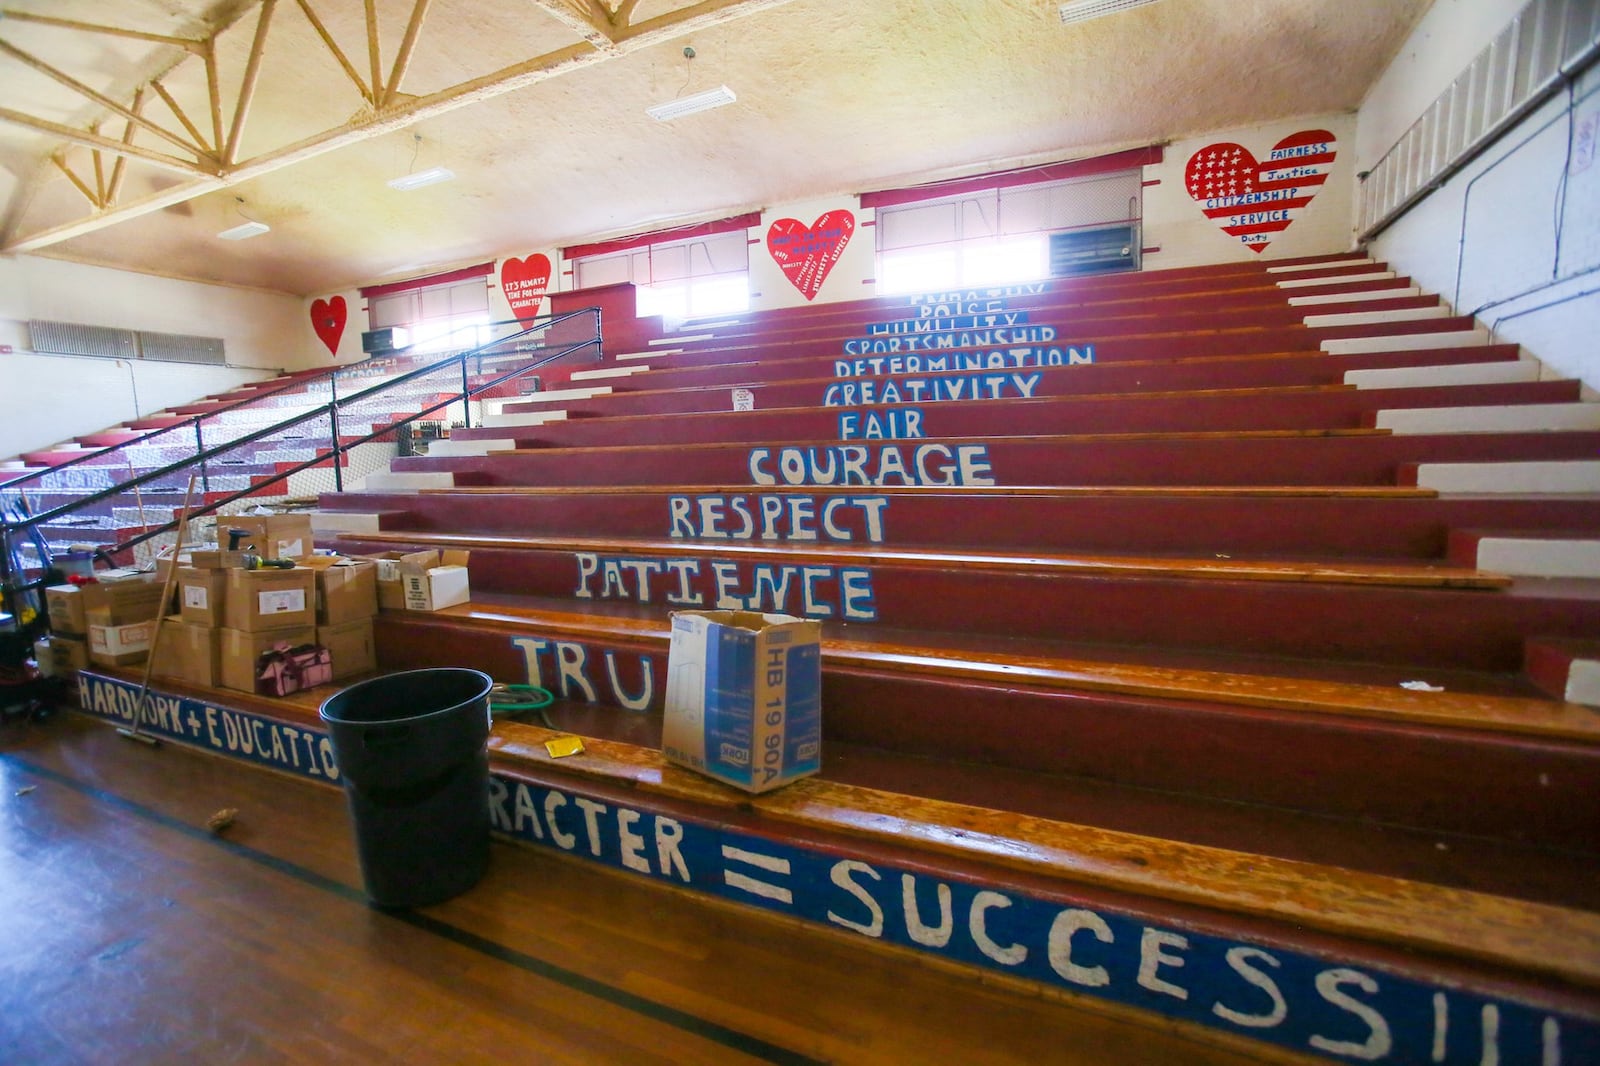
{"x":179,"y":348}
{"x":68,"y":338}
{"x":1083,"y":10}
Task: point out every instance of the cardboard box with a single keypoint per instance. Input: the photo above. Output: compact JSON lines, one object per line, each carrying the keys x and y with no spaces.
{"x":352,"y":646}
{"x":422,"y":581}
{"x":200,"y":595}
{"x":66,"y":606}
{"x":239,"y":653}
{"x":347,"y":591}
{"x":68,"y":655}
{"x":123,"y":602}
{"x":215,"y":559}
{"x":124,"y":645}
{"x":391,"y":589}
{"x":187,"y":651}
{"x":258,"y":600}
{"x":277,"y":536}
{"x":744,"y":697}
{"x":433,"y":588}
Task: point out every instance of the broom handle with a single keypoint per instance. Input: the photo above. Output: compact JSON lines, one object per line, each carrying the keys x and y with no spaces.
{"x":161,"y":615}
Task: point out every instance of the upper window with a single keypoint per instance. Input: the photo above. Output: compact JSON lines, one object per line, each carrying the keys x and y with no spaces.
{"x":998,"y":236}
{"x":693,"y":278}
{"x":446,"y":317}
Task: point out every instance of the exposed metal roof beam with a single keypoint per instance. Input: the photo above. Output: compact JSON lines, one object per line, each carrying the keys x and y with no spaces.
{"x":509,"y":79}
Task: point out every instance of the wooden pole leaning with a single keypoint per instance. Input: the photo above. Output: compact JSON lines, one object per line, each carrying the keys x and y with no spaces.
{"x":133,"y":732}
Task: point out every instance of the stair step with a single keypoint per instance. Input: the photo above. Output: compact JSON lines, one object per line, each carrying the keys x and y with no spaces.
{"x":324,"y":522}
{"x":1522,"y":418}
{"x":1292,"y":521}
{"x":1429,"y":376}
{"x":1281,"y":407}
{"x":1406,"y":342}
{"x":407,"y":480}
{"x":1567,"y":669}
{"x":480,"y":446}
{"x":1407,"y":576}
{"x":1528,"y":553}
{"x":1169,"y":721}
{"x":1399,"y":292}
{"x":1332,"y":901}
{"x":1564,"y":477}
{"x":509,"y":421}
{"x":607,"y":372}
{"x":1330,"y":320}
{"x":1308,"y":282}
{"x":1268,"y":458}
{"x":1441,"y":621}
{"x":1340,"y":264}
{"x":552,"y":396}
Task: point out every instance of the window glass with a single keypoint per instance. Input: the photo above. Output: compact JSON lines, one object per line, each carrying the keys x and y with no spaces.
{"x":996,"y":236}
{"x":678,"y":279}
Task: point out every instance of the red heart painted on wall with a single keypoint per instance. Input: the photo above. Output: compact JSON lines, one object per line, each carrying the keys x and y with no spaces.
{"x":328,"y":318}
{"x":1254,"y":200}
{"x":524,"y":282}
{"x":806,"y":254}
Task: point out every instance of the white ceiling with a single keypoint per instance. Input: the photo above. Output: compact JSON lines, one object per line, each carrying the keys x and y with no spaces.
{"x":833,"y":97}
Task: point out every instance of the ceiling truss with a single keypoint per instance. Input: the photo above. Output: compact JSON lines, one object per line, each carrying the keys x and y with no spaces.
{"x":211,"y":162}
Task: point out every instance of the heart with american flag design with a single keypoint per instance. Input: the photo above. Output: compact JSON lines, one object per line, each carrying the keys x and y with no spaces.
{"x":1254,"y":200}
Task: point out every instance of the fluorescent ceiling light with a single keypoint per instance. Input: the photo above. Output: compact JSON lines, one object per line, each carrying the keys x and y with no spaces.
{"x":431,"y":176}
{"x":244,"y":230}
{"x":1083,"y":10}
{"x":690,"y":105}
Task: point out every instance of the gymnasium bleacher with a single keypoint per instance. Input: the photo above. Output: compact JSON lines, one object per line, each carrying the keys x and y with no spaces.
{"x":1183,"y":624}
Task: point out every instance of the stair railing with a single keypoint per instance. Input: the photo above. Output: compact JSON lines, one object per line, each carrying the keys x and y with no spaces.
{"x":386,"y":408}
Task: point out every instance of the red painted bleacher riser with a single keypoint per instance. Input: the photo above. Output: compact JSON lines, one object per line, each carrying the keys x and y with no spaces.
{"x":676,"y":392}
{"x":1372,"y":459}
{"x":1284,"y":526}
{"x":1164,"y":744}
{"x":1129,"y":413}
{"x":1442,"y":628}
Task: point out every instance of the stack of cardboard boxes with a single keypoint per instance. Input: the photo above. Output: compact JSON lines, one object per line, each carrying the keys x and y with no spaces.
{"x":230,"y":616}
{"x":230,"y":612}
{"x":108,"y":622}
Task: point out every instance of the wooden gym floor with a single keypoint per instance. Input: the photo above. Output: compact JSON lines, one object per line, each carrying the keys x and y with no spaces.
{"x":131,"y":934}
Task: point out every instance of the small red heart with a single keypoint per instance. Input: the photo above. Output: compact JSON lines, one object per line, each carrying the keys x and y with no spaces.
{"x":524,"y":282}
{"x":806,"y":255}
{"x":328,"y":318}
{"x":1254,"y":200}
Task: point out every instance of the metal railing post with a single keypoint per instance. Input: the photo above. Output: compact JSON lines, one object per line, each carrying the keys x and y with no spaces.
{"x":200,"y":450}
{"x":466,"y":391}
{"x":6,"y":603}
{"x":338,"y":448}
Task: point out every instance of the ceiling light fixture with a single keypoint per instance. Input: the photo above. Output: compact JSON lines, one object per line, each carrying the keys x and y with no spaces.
{"x":690,"y":105}
{"x":249,"y":228}
{"x":1083,"y":10}
{"x":681,"y":105}
{"x":431,"y":176}
{"x":245,"y":230}
{"x":416,"y":179}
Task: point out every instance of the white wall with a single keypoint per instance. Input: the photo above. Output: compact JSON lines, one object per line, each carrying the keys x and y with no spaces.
{"x":1514,"y":237}
{"x":67,"y":397}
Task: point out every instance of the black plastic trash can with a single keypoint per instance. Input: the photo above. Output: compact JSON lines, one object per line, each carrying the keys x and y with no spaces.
{"x":412,"y":750}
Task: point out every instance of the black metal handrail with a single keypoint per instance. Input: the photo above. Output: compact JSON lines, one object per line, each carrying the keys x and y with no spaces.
{"x":338,"y":446}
